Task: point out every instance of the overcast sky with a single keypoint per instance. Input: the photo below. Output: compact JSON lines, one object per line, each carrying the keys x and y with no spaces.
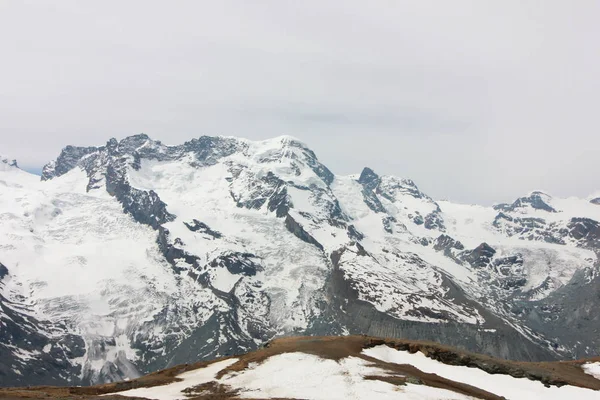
{"x":477,"y":101}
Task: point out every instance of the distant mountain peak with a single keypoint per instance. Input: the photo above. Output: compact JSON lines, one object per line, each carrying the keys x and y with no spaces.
{"x":368,"y":177}
{"x":536,"y":200}
{"x":594,"y":198}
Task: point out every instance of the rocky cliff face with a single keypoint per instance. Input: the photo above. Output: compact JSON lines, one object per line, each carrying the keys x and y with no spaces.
{"x":134,"y":256}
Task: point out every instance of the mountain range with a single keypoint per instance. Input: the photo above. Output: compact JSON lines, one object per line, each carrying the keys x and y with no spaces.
{"x":136,"y":256}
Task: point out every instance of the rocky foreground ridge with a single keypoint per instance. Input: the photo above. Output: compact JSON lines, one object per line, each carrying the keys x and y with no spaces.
{"x":350,"y":367}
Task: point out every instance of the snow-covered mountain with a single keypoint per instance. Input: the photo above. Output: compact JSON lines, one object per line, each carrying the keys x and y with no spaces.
{"x":135,"y":256}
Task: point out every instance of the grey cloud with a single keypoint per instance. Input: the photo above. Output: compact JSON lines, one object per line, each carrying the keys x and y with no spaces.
{"x":475,"y":101}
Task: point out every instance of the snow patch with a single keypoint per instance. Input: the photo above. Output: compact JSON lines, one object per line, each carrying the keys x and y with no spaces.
{"x":174,"y":391}
{"x":592,"y":369}
{"x":501,"y":385}
{"x":299,"y":375}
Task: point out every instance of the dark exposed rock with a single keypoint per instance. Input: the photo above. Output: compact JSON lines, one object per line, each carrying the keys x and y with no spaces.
{"x":201,"y":227}
{"x":446,"y":243}
{"x":20,"y":330}
{"x":425,"y":241}
{"x":595,"y":201}
{"x":510,"y":283}
{"x":361,"y":317}
{"x":369,"y":179}
{"x":268,"y":189}
{"x":508,"y":266}
{"x":547,"y":285}
{"x":226,"y":338}
{"x":503,"y":207}
{"x":526,"y":222}
{"x":388,"y":223}
{"x":403,"y":186}
{"x":481,"y":256}
{"x":434,"y":220}
{"x":238,"y":263}
{"x":279,"y":201}
{"x":535,"y":201}
{"x":208,"y":150}
{"x":325,"y":199}
{"x":137,"y":161}
{"x":361,"y":251}
{"x":294,"y":227}
{"x":529,"y":228}
{"x":3,"y":271}
{"x":66,"y":161}
{"x":418,"y":219}
{"x":173,"y":253}
{"x":585,"y":230}
{"x":305,"y":155}
{"x":411,"y":188}
{"x":319,"y":169}
{"x":354,"y":234}
{"x":9,"y":162}
{"x":571,"y":313}
{"x":129,"y":145}
{"x":144,"y":206}
{"x":372,"y":201}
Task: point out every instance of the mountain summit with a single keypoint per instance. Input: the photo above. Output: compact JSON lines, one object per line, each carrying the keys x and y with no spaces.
{"x":135,"y":256}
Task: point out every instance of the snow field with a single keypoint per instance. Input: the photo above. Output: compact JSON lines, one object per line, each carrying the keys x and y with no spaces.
{"x":501,"y":385}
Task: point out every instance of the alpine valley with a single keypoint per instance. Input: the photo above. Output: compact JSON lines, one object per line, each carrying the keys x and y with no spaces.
{"x":136,"y":256}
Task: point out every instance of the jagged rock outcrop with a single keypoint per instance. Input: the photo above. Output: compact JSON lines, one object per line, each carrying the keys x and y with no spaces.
{"x":536,"y":200}
{"x":446,"y":243}
{"x":201,"y":227}
{"x":297,"y":230}
{"x":586,"y":231}
{"x":68,"y":159}
{"x":481,"y":256}
{"x":8,"y":162}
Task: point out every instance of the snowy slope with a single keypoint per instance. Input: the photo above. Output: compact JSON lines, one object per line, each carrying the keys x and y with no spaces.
{"x":502,"y":385}
{"x":148,"y":255}
{"x":299,"y":375}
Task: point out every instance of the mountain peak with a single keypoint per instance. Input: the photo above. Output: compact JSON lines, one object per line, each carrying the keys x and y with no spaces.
{"x":536,"y":200}
{"x":540,"y":194}
{"x":287,"y":139}
{"x":283,"y":141}
{"x":367,"y":175}
{"x":67,"y":160}
{"x":594,"y":198}
{"x":131,"y":144}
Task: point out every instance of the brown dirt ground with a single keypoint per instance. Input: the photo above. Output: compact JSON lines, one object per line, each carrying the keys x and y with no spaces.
{"x":335,"y":348}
